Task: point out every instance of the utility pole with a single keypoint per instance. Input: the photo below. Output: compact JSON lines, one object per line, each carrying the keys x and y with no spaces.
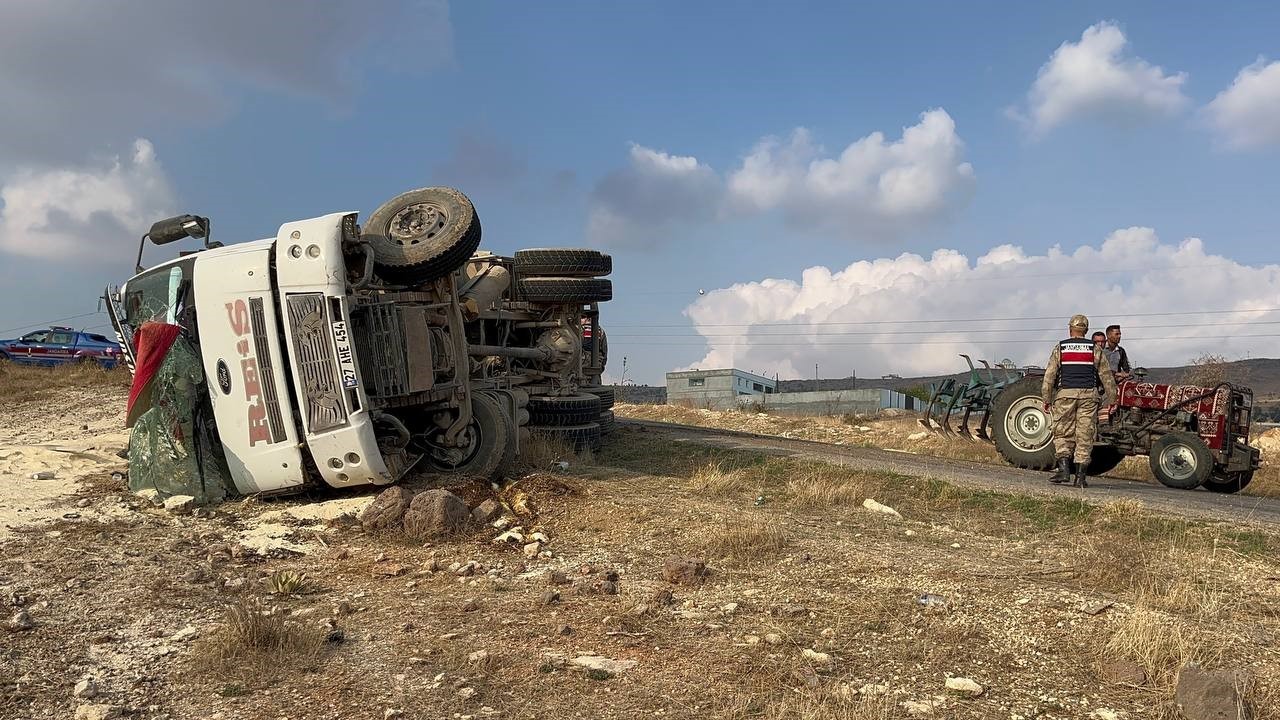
{"x":815,"y":378}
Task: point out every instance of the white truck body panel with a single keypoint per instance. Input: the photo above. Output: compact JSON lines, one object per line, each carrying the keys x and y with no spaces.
{"x":244,"y":362}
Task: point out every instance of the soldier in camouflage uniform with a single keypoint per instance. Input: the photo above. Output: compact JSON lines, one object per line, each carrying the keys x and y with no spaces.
{"x":1070,"y":391}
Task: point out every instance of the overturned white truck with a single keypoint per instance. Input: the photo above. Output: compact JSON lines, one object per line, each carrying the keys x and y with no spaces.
{"x":349,"y":353}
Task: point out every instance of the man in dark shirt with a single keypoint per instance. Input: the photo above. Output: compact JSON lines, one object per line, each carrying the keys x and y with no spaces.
{"x":1117,"y":358}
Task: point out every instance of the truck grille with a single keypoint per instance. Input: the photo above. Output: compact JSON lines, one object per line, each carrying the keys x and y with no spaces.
{"x":314,"y":362}
{"x":380,"y":347}
{"x":265,"y":372}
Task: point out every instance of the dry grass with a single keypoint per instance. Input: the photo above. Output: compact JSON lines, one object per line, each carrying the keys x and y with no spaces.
{"x":748,"y":539}
{"x":1161,"y":644}
{"x":257,"y":645}
{"x":714,"y":480}
{"x":541,"y":452}
{"x":819,"y":488}
{"x":21,"y":383}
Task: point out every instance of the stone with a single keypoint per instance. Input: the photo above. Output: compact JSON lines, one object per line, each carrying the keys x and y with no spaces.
{"x":391,"y":714}
{"x":511,"y":536}
{"x":1211,"y":694}
{"x":434,"y":514}
{"x":876,"y":507}
{"x":83,"y":503}
{"x":602,"y":664}
{"x":873,"y":690}
{"x":471,"y":605}
{"x":564,"y":630}
{"x":479,"y":657}
{"x":467,"y":693}
{"x":919,"y":708}
{"x":607,"y":587}
{"x":185,"y":634}
{"x":820,"y":660}
{"x":179,"y":504}
{"x":97,"y":712}
{"x":1096,"y":608}
{"x":237,"y":583}
{"x":663,"y":598}
{"x":550,"y":597}
{"x":1124,"y":672}
{"x":386,"y":512}
{"x":557,"y":577}
{"x":752,"y":639}
{"x":729,"y":608}
{"x":789,"y":610}
{"x":773,"y":639}
{"x":487,"y":511}
{"x":917,"y":436}
{"x":684,"y":571}
{"x":20,"y":621}
{"x":85,"y":689}
{"x":1105,"y":714}
{"x":151,"y":495}
{"x":964,"y":686}
{"x":532,"y":549}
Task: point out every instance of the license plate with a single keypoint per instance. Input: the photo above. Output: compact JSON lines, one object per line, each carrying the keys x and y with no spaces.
{"x":346,"y":361}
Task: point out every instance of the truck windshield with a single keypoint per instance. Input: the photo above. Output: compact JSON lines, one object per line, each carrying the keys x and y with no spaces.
{"x":163,"y":294}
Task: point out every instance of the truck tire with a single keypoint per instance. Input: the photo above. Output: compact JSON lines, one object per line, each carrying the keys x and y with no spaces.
{"x":491,"y":452}
{"x":1181,"y":460}
{"x":566,"y":262}
{"x":1020,"y":428}
{"x":423,"y":234}
{"x":579,"y":437}
{"x":577,"y":409}
{"x":607,"y":422}
{"x":604,"y":392}
{"x":1221,"y":481}
{"x":1104,"y":459}
{"x":565,"y":290}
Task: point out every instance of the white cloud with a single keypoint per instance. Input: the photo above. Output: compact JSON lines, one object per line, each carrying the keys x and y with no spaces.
{"x":1247,"y":114}
{"x":633,"y":205}
{"x":1096,"y":77}
{"x":85,"y":214}
{"x":873,"y":189}
{"x":784,"y":326}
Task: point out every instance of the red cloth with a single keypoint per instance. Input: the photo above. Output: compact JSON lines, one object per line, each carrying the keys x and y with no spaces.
{"x":151,"y":343}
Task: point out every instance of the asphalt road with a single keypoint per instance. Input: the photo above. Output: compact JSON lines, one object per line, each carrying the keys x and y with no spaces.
{"x":1198,"y":504}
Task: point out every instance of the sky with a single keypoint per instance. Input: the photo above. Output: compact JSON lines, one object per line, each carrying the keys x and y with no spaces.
{"x":866,"y":188}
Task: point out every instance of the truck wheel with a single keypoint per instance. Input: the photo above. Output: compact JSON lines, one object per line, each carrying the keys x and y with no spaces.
{"x":1181,"y":460}
{"x":567,"y":262}
{"x":423,"y":234}
{"x":607,"y":422}
{"x":561,"y":411}
{"x":565,"y":290}
{"x":1221,"y":481}
{"x":1104,"y":459}
{"x":580,"y":437}
{"x":487,"y":449}
{"x":605,"y":393}
{"x":1020,"y":428}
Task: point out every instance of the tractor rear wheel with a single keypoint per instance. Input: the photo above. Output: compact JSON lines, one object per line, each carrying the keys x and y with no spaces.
{"x":1181,"y":460}
{"x":1222,"y":481}
{"x":1020,"y":428}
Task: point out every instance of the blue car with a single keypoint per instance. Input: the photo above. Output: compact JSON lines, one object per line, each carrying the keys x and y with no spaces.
{"x":61,"y":345}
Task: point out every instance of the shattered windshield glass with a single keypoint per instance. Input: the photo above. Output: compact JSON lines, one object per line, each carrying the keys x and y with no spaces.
{"x":161,"y":295}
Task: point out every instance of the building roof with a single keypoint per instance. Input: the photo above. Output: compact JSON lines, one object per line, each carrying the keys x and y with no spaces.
{"x":717,"y":372}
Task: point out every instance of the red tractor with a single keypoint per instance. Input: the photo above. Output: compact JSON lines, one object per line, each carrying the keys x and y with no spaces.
{"x":1193,"y":436}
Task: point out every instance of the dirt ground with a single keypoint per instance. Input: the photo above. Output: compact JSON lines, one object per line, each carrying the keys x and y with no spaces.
{"x":905,"y":433}
{"x":813,"y":606}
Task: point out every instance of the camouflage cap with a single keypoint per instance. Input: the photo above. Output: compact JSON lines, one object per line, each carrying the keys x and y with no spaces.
{"x":1079,"y":321}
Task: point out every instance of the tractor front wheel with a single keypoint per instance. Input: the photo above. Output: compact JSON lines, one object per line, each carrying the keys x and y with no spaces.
{"x":1221,"y":481}
{"x":1181,"y":460}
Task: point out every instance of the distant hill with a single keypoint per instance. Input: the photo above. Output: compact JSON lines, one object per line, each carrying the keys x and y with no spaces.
{"x":1260,"y":374}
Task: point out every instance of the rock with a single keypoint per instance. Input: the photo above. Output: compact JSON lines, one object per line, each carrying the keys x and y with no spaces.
{"x":20,"y":621}
{"x":97,"y":712}
{"x":1124,"y":672}
{"x":602,"y":664}
{"x":179,"y":504}
{"x":1211,"y":694}
{"x":479,"y":657}
{"x":607,"y":587}
{"x":471,"y":605}
{"x":435,"y":513}
{"x":185,"y":634}
{"x":684,"y":571}
{"x":964,"y":686}
{"x":773,"y":639}
{"x":386,"y":512}
{"x":85,"y":689}
{"x":789,"y":610}
{"x":465,"y":570}
{"x":864,"y":428}
{"x":487,"y":511}
{"x":557,"y":577}
{"x":83,"y":503}
{"x":1105,"y":714}
{"x":390,"y":714}
{"x":919,"y":708}
{"x":564,"y":630}
{"x":550,"y":597}
{"x":467,"y":693}
{"x":1095,"y":608}
{"x":390,"y":570}
{"x":752,"y":639}
{"x":820,"y":660}
{"x":150,"y":495}
{"x":342,"y":608}
{"x":916,"y":436}
{"x":874,"y":506}
{"x":663,"y":598}
{"x":872,"y":690}
{"x":513,"y":535}
{"x":532,"y":549}
{"x":729,"y":608}
{"x":806,"y":677}
{"x":235,"y":583}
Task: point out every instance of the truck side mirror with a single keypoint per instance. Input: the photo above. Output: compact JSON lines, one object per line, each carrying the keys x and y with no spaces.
{"x":173,"y":229}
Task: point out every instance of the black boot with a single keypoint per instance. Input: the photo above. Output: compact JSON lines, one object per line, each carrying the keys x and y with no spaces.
{"x":1063,"y":473}
{"x":1081,"y":475}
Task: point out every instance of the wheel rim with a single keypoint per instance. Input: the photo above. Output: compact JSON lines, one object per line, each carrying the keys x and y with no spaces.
{"x":1178,"y":462}
{"x":417,"y":223}
{"x":453,"y":458}
{"x":1027,"y":425}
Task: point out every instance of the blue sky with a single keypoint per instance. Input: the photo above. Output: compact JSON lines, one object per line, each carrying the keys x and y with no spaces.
{"x":534,"y":111}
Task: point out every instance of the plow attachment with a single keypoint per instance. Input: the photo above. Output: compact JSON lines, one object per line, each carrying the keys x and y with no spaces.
{"x":966,"y":397}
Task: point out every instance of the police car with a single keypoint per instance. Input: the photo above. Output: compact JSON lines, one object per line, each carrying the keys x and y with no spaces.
{"x":60,"y":345}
